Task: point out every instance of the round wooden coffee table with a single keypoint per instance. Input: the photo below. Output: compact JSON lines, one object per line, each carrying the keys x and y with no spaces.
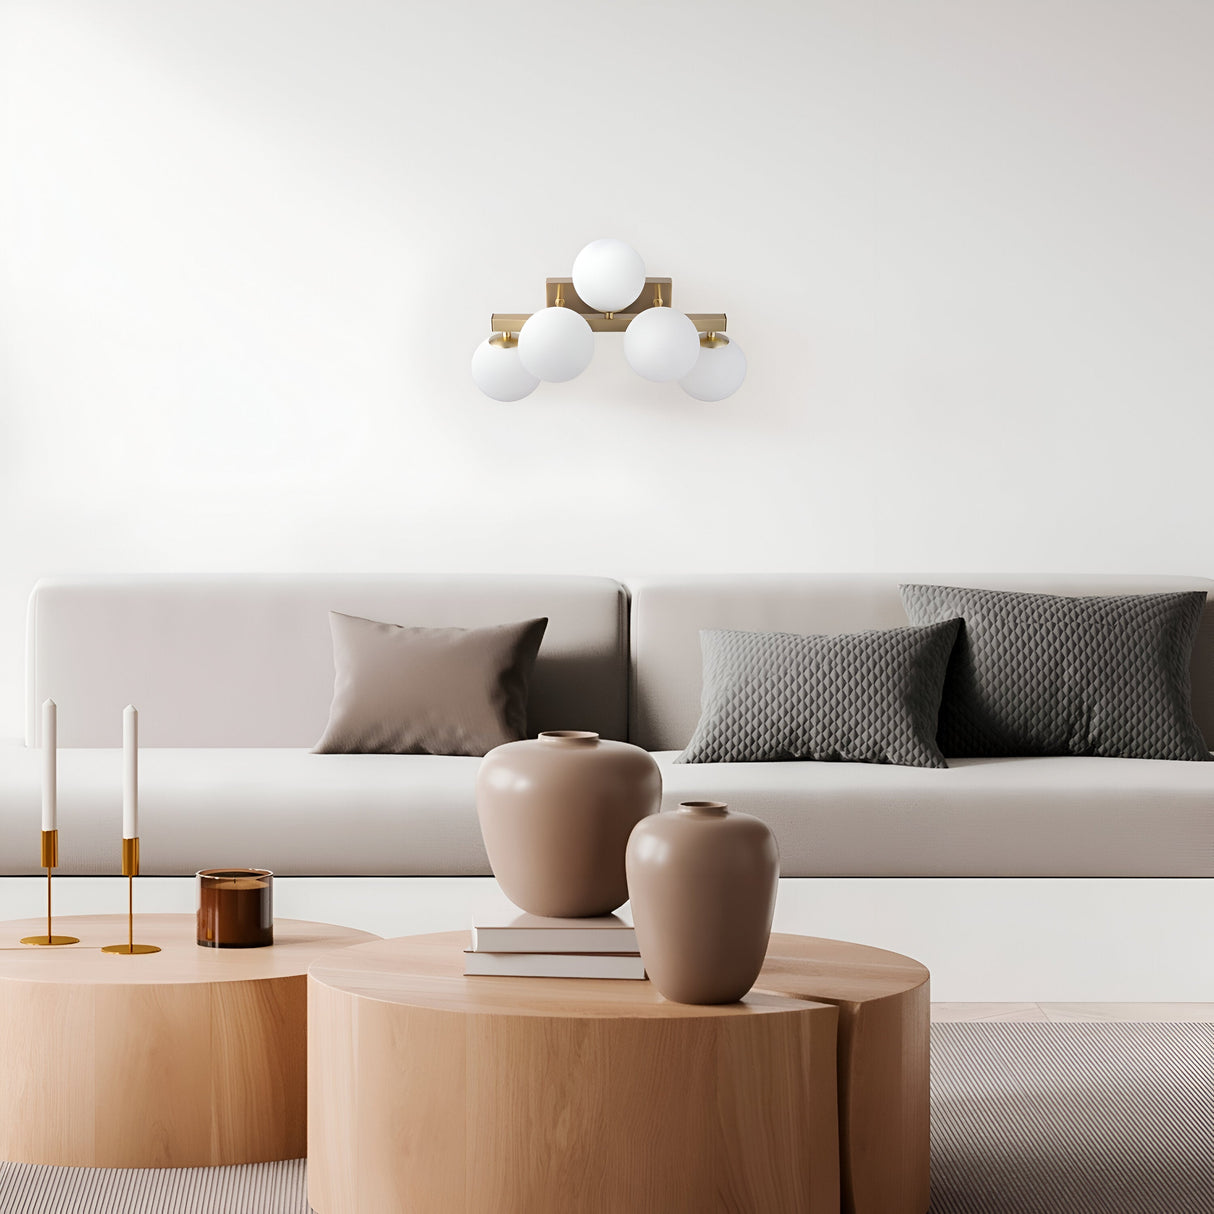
{"x":184,"y":1058}
{"x":884,"y":1004}
{"x":428,"y":1090}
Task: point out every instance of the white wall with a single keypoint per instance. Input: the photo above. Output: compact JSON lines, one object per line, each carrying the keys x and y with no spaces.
{"x":247,"y":247}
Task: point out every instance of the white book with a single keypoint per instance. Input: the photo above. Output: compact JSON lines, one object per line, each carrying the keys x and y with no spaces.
{"x":554,"y":965}
{"x":513,"y":931}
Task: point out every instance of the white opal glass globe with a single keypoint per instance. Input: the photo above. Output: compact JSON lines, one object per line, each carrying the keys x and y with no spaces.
{"x":498,"y":373}
{"x":718,"y":373}
{"x":608,"y":275}
{"x":555,"y":344}
{"x":661,"y":344}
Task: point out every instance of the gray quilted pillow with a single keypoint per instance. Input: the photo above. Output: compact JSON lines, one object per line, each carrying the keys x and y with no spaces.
{"x":1045,"y":674}
{"x":867,"y":697}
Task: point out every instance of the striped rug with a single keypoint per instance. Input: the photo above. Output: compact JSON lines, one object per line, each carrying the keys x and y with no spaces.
{"x":1073,"y":1118}
{"x":256,"y":1188}
{"x":1026,"y":1119}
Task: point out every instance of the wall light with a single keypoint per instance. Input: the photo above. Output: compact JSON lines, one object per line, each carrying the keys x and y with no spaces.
{"x":608,"y":293}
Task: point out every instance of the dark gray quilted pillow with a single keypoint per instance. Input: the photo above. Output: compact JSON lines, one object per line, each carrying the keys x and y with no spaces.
{"x":1045,"y":674}
{"x":867,"y":697}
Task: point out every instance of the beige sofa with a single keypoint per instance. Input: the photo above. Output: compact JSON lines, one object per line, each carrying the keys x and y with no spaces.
{"x":233,"y":677}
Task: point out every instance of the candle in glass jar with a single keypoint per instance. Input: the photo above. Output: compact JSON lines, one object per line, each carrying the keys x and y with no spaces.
{"x":130,"y":773}
{"x":235,"y":908}
{"x":50,"y":757}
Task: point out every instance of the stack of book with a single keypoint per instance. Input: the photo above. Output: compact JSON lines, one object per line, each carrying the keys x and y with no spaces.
{"x":514,"y":944}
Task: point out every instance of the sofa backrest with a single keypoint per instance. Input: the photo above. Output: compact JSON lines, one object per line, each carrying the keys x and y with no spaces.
{"x":247,"y":660}
{"x":668,"y":613}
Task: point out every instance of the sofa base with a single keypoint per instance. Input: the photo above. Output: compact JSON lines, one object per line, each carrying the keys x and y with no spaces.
{"x":1064,"y":940}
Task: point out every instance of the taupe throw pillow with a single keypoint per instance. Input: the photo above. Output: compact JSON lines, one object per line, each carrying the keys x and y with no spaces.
{"x":428,"y":691}
{"x":865,"y":697}
{"x":1048,"y":674}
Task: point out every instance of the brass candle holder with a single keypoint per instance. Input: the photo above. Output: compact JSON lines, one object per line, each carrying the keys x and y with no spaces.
{"x":130,"y":870}
{"x":50,"y":859}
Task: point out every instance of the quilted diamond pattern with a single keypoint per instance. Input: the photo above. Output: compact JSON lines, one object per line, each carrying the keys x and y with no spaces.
{"x":1043,"y":674}
{"x":866,"y":697}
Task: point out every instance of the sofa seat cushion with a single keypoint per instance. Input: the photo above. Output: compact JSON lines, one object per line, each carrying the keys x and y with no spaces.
{"x":301,"y":814}
{"x":293,"y":812}
{"x":1018,"y":817}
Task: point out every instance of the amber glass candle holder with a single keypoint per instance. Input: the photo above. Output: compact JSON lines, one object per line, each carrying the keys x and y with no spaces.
{"x":235,"y":908}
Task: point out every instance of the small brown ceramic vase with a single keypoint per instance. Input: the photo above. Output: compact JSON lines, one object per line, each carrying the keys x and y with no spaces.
{"x":556,"y":813}
{"x":703,"y":889}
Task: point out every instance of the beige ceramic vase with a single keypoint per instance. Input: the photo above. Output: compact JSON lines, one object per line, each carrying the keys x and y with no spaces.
{"x":703,"y":887}
{"x":556,"y":813}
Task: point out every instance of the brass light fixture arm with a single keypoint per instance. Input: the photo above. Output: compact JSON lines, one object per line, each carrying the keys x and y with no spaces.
{"x":560,"y":293}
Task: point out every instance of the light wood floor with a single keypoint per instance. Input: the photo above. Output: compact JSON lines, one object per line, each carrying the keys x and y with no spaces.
{"x":1073,"y":1011}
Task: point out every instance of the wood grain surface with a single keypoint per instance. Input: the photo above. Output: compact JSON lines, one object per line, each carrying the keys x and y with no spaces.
{"x":884,"y":1007}
{"x":189,"y":1057}
{"x":432,"y":1091}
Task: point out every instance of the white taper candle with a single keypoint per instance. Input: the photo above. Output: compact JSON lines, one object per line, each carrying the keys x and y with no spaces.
{"x":130,"y":773}
{"x":50,"y":755}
